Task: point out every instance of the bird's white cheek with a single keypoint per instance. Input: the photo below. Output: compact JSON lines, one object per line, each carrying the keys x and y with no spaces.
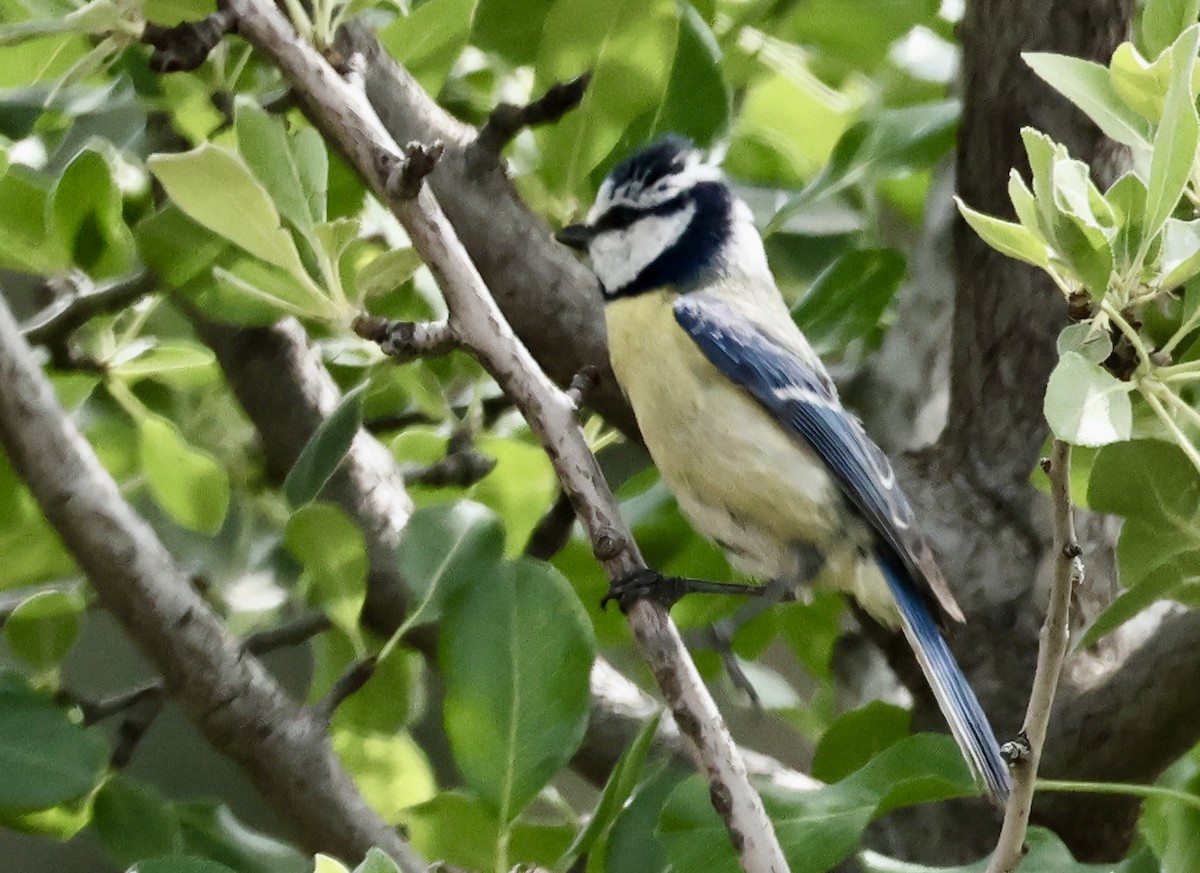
{"x":619,"y":256}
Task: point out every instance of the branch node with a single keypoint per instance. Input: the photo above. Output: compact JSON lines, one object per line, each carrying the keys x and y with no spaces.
{"x":507,"y":120}
{"x":407,"y":340}
{"x":1072,"y":550}
{"x":608,"y":544}
{"x":1016,"y":750}
{"x":403,"y":178}
{"x":582,"y":384}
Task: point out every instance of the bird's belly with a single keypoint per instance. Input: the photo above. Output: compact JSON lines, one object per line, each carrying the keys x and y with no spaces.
{"x":740,"y":479}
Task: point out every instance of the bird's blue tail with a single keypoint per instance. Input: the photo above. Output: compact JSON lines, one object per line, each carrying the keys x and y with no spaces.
{"x":957,"y":701}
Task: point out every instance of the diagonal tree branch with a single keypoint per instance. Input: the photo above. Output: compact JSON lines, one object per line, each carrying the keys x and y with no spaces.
{"x":288,"y":393}
{"x":227,"y":693}
{"x":550,"y":299}
{"x":347,"y":120}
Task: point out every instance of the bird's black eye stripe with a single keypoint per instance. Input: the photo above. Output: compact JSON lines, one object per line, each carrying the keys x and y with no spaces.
{"x":620,"y":217}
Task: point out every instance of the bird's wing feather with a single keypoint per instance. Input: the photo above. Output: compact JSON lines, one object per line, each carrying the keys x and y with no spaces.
{"x":800,"y":396}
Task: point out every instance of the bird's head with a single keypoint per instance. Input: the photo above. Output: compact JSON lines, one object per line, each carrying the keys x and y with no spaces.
{"x":663,"y":217}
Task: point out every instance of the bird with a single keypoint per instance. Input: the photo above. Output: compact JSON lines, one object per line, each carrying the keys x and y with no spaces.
{"x":744,"y":422}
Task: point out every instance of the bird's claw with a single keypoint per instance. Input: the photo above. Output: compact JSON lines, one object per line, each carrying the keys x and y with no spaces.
{"x":643,"y":584}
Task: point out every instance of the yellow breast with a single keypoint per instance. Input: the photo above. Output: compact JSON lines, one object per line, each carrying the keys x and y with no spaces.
{"x":740,"y":479}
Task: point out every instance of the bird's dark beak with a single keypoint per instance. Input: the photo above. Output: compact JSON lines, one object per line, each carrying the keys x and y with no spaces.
{"x":577,"y":236}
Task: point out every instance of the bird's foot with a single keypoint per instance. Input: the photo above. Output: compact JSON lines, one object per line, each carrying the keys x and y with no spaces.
{"x":647,"y":584}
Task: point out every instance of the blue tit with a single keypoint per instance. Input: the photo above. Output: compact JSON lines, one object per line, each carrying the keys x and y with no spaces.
{"x":744,"y":422}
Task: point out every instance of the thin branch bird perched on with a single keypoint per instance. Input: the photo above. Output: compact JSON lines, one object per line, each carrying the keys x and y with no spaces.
{"x":744,"y":422}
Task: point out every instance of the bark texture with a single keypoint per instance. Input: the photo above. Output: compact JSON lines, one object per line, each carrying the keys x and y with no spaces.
{"x":973,"y":486}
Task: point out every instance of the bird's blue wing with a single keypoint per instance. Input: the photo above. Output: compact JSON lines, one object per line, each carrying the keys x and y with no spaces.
{"x":800,"y":396}
{"x":794,"y":388}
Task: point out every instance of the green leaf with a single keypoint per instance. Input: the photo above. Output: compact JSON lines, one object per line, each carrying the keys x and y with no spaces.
{"x":1127,"y":197}
{"x":42,"y":628}
{"x":386,"y":703}
{"x":623,"y":43}
{"x":516,"y":651}
{"x":1175,"y":143}
{"x":1141,"y":84}
{"x":622,"y":782}
{"x":377,"y":861}
{"x":216,"y":188}
{"x":325,"y":449}
{"x":211,"y":829}
{"x":520,"y":489}
{"x":1010,"y":239}
{"x":390,"y":770}
{"x":856,"y":737}
{"x":27,"y":242}
{"x":429,"y":40}
{"x":697,"y":100}
{"x":1164,"y":20}
{"x":1045,"y":854}
{"x":1086,"y":405}
{"x":1159,"y":584}
{"x":858,"y":35}
{"x":254,"y":292}
{"x":1180,"y":258}
{"x":443,"y":548}
{"x":385,"y":273}
{"x":1145,"y":479}
{"x":1024,"y":205}
{"x":633,"y":845}
{"x":1088,"y":86}
{"x":884,"y":143}
{"x":134,"y":821}
{"x":326,"y":864}
{"x":87,"y":216}
{"x":818,"y":829}
{"x":455,"y":828}
{"x":1084,"y":339}
{"x":293,"y":169}
{"x":510,"y":28}
{"x":1083,"y":252}
{"x":1154,"y":486}
{"x":848,"y":299}
{"x":334,"y":556}
{"x":176,"y":248}
{"x":177,"y":362}
{"x":46,"y":758}
{"x":180,"y":864}
{"x":170,"y":13}
{"x":187,"y":482}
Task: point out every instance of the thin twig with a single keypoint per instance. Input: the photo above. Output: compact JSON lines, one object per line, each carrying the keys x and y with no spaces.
{"x":404,"y":178}
{"x":582,"y":384}
{"x":83,"y":301}
{"x":1052,"y":649}
{"x":553,"y":529}
{"x":407,"y":340}
{"x":137,"y":721}
{"x":291,"y":633}
{"x":346,"y":120}
{"x":507,"y":120}
{"x":355,"y":677}
{"x":462,"y":466}
{"x":186,"y":46}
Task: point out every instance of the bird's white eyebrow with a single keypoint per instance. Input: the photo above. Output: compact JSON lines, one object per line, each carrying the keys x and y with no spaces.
{"x":669,"y":187}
